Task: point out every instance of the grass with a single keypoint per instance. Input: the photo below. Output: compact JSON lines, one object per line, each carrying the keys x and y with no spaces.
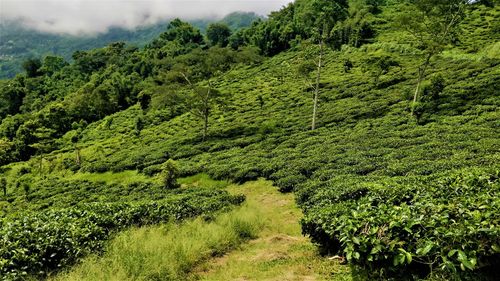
{"x":280,"y":252}
{"x":169,"y":251}
{"x":216,"y":248}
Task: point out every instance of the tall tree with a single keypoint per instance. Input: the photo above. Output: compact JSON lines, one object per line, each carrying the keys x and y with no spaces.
{"x":432,"y":23}
{"x":182,"y":32}
{"x":318,"y":18}
{"x":6,"y":151}
{"x":218,"y":34}
{"x":32,"y":67}
{"x":52,"y":64}
{"x":198,"y":69}
{"x":203,"y":100}
{"x":12,"y":93}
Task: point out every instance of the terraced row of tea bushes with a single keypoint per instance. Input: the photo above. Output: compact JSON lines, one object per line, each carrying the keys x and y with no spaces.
{"x":38,"y":243}
{"x":375,"y":148}
{"x":61,"y":193}
{"x":448,"y":223}
{"x":347,"y":101}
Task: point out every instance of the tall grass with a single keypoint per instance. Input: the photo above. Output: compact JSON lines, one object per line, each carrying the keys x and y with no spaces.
{"x":170,"y":251}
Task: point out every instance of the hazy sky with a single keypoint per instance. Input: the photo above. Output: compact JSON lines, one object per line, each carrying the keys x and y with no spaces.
{"x":91,"y":16}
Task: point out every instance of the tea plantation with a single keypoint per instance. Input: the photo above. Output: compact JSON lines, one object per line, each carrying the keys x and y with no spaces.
{"x":402,"y":190}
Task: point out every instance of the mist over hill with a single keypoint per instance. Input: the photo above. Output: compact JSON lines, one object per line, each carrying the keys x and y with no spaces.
{"x":18,"y":43}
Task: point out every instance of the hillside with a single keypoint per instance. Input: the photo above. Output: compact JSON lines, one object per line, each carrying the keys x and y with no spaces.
{"x":18,"y":43}
{"x":399,"y":189}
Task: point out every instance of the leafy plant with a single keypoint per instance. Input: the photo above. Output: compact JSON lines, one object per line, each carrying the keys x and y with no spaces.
{"x":170,"y":174}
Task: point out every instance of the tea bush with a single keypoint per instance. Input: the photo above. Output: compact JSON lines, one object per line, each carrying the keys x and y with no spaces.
{"x":36,"y":244}
{"x":447,"y":222}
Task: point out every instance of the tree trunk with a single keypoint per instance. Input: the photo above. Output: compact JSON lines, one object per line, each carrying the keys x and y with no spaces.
{"x":205,"y":124}
{"x":316,"y":90}
{"x":78,"y":159}
{"x":40,"y":167}
{"x":421,"y":75}
{"x":206,"y":112}
{"x":417,"y":90}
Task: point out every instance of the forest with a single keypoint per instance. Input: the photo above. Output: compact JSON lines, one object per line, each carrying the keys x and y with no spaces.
{"x":19,"y":43}
{"x":382,"y":117}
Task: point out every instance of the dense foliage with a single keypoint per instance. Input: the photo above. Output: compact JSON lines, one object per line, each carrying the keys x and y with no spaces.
{"x":397,"y":194}
{"x":446,"y":223}
{"x":18,"y":43}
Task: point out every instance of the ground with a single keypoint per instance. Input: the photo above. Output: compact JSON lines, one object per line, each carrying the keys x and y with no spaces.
{"x":280,"y":252}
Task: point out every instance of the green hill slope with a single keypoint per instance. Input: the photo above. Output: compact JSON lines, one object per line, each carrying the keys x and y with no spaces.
{"x":396,"y":194}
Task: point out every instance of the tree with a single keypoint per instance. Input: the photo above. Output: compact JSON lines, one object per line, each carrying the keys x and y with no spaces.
{"x":32,"y":67}
{"x":7,"y":153}
{"x":3,"y":185}
{"x":24,"y":181}
{"x":139,"y":125}
{"x":12,"y":93}
{"x":374,"y":5}
{"x":273,"y":35}
{"x":237,"y":39}
{"x":168,"y":98}
{"x":347,"y":65}
{"x":198,"y":69}
{"x":306,"y":68}
{"x":180,"y":31}
{"x":88,"y":62}
{"x":55,"y":116}
{"x":248,"y":55}
{"x":378,"y":64}
{"x":487,"y":3}
{"x":10,"y":125}
{"x":218,"y":34}
{"x":318,"y":18}
{"x":52,"y":64}
{"x":44,"y":144}
{"x":357,"y":29}
{"x":203,"y":100}
{"x":433,"y":24}
{"x":144,"y":100}
{"x":26,"y":188}
{"x":25,"y":136}
{"x":429,"y":101}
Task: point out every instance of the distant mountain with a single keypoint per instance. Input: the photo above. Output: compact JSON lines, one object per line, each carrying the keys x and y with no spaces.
{"x":18,"y":43}
{"x":237,"y":20}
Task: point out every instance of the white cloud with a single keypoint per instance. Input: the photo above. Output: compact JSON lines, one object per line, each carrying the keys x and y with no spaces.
{"x":92,"y":16}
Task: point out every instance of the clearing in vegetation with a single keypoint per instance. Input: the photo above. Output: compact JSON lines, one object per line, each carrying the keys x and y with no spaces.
{"x":280,"y":252}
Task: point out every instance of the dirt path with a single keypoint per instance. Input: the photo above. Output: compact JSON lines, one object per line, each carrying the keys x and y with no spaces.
{"x":280,"y":252}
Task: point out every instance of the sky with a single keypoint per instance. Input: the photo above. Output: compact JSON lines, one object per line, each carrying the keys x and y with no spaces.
{"x":96,"y":16}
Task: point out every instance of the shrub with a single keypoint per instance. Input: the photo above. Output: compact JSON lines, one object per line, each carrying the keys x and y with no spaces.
{"x":446,"y":223}
{"x":169,"y":175}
